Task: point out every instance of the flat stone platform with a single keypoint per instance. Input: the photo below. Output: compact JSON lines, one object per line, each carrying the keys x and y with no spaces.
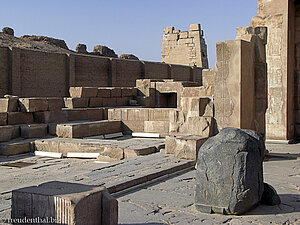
{"x":149,"y":191}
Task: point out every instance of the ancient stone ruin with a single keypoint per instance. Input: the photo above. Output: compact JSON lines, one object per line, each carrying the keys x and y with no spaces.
{"x":95,"y":105}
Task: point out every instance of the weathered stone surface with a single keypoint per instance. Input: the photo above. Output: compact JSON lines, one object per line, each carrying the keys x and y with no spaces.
{"x":81,"y":48}
{"x":6,"y":133}
{"x":48,"y":40}
{"x":184,"y":147}
{"x":50,"y":116}
{"x":8,"y":30}
{"x":128,"y":56}
{"x":104,"y":51}
{"x":33,"y":104}
{"x":3,"y":118}
{"x":229,"y":176}
{"x":83,"y":92}
{"x":8,"y":104}
{"x":33,"y":130}
{"x":55,"y":103}
{"x":68,"y":203}
{"x":19,"y":118}
{"x":103,"y":92}
{"x":270,"y":196}
{"x":76,"y":102}
{"x":15,"y":147}
{"x":161,"y":127}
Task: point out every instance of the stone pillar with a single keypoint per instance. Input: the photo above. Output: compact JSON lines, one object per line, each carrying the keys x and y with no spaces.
{"x":234,"y":82}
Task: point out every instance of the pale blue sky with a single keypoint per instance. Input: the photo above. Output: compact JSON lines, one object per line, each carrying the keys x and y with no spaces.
{"x":127,"y":26}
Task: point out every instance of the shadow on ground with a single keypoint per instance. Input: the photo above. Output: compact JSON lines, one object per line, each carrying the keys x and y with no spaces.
{"x":281,"y":156}
{"x":290,"y":203}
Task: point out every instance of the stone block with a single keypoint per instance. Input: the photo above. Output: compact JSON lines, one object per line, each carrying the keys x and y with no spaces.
{"x":229,"y":172}
{"x":83,"y":92}
{"x":161,"y":127}
{"x":195,"y":27}
{"x":130,"y":153}
{"x":183,"y":34}
{"x":19,"y":118}
{"x":55,"y":103}
{"x":80,"y":204}
{"x":170,"y":144}
{"x":52,"y":129}
{"x":202,"y":91}
{"x":197,"y":106}
{"x":15,"y":147}
{"x":123,"y":101}
{"x":16,"y":131}
{"x":141,"y":114}
{"x":96,"y":102}
{"x":33,"y":104}
{"x":76,"y":114}
{"x":86,"y":129}
{"x":112,"y":153}
{"x":129,"y":126}
{"x":51,"y":116}
{"x":6,"y":133}
{"x":159,"y":114}
{"x":168,"y":30}
{"x":128,"y":91}
{"x":8,"y":104}
{"x":95,"y":114}
{"x":201,"y":126}
{"x":33,"y":130}
{"x":76,"y":102}
{"x":115,"y":114}
{"x":104,"y":93}
{"x":116,"y":92}
{"x":185,"y":147}
{"x":109,"y":209}
{"x":109,"y":102}
{"x":3,"y":118}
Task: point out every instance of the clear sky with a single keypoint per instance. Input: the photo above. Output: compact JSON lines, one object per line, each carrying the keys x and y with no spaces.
{"x":127,"y":26}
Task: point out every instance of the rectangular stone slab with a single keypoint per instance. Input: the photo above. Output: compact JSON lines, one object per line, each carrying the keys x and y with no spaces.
{"x":69,"y":203}
{"x":8,"y":104}
{"x":33,"y":104}
{"x":33,"y":130}
{"x":19,"y":118}
{"x":86,"y":129}
{"x":83,"y":92}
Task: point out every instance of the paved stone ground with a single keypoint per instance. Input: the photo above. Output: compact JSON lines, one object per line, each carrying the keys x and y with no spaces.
{"x":172,"y":201}
{"x":169,"y":201}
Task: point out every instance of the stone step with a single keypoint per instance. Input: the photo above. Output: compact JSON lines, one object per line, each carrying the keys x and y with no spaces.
{"x":86,"y":129}
{"x":109,"y":149}
{"x":16,"y":146}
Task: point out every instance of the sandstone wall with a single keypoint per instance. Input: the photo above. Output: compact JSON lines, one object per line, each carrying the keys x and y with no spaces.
{"x":280,"y":112}
{"x":185,"y":48}
{"x":29,"y":73}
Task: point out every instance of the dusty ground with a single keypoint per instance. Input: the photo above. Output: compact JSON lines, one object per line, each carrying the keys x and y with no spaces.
{"x":168,"y":201}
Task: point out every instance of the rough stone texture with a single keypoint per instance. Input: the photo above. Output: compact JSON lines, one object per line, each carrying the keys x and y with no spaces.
{"x":16,"y":147}
{"x":81,"y":49}
{"x":128,"y":56}
{"x":48,"y":40}
{"x":229,"y":172}
{"x":104,"y":51}
{"x":33,"y":104}
{"x":83,"y":92}
{"x":68,"y":203}
{"x":19,"y":118}
{"x":185,"y":48}
{"x":55,"y":103}
{"x":50,"y":116}
{"x":3,"y":119}
{"x":8,"y":104}
{"x":184,"y":147}
{"x":33,"y":130}
{"x":76,"y":102}
{"x":6,"y":133}
{"x":8,"y":30}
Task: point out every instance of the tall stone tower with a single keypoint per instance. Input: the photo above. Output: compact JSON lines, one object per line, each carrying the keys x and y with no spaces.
{"x":184,"y":47}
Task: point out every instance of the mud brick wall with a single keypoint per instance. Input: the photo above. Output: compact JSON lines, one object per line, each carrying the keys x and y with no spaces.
{"x":36,"y":73}
{"x":4,"y":70}
{"x":31,"y":73}
{"x":91,"y":71}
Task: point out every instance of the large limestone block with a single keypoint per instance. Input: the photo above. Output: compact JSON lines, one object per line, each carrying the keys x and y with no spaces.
{"x":33,"y":130}
{"x":138,"y":114}
{"x":76,"y":114}
{"x":8,"y":104}
{"x":109,"y":102}
{"x":201,"y":126}
{"x":83,"y":92}
{"x":67,"y":203}
{"x":129,"y":126}
{"x":6,"y":133}
{"x":197,"y":106}
{"x":50,"y":116}
{"x":76,"y":102}
{"x":33,"y":104}
{"x":103,"y":93}
{"x":15,"y":147}
{"x":3,"y":118}
{"x":201,"y":91}
{"x":128,"y":91}
{"x":116,"y":92}
{"x":96,"y":102}
{"x":159,"y":114}
{"x":19,"y":118}
{"x":229,"y":172}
